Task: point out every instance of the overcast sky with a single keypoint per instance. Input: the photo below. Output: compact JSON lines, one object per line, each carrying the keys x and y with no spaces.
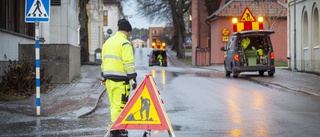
{"x":137,"y":21}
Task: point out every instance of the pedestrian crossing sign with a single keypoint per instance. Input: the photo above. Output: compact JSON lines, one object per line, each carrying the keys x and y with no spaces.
{"x":37,"y":10}
{"x":144,"y":111}
{"x":188,"y":40}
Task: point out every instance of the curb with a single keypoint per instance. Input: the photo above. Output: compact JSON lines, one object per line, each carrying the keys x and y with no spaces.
{"x":88,"y":110}
{"x":271,"y":84}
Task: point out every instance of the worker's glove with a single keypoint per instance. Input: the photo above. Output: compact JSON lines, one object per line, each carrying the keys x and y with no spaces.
{"x":102,"y":81}
{"x":134,"y":84}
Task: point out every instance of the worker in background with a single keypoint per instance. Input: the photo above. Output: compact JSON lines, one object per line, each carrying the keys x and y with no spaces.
{"x":245,"y":42}
{"x":118,"y":70}
{"x":160,"y":59}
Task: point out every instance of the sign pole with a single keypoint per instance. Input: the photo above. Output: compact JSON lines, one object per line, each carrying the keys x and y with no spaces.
{"x":37,"y":49}
{"x":37,"y":11}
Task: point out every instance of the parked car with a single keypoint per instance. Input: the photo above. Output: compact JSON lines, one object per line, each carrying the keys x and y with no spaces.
{"x":158,"y":58}
{"x":249,"y":51}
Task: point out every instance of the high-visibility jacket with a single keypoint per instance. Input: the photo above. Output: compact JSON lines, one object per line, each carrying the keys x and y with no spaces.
{"x":117,"y":58}
{"x":159,"y":56}
{"x":245,"y":42}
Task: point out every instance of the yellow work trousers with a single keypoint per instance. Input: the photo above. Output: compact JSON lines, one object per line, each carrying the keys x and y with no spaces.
{"x":160,"y":61}
{"x":118,"y":93}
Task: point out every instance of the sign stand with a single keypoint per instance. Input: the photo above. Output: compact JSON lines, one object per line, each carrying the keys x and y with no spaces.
{"x":144,"y":111}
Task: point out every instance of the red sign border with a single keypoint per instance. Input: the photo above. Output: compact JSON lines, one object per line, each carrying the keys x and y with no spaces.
{"x":164,"y":125}
{"x":254,"y":18}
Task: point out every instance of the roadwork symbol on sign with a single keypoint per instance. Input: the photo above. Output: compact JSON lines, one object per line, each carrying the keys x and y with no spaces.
{"x":37,"y":10}
{"x":144,"y":111}
{"x":247,"y":16}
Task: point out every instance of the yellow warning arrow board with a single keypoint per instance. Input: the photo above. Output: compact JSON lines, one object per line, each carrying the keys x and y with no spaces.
{"x":247,"y":16}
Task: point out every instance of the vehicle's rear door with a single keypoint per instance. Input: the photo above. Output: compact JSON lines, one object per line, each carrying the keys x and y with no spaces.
{"x":230,"y":51}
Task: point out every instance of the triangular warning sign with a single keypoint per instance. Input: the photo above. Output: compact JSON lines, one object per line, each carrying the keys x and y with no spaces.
{"x":37,"y":10}
{"x":247,"y":16}
{"x":144,"y":111}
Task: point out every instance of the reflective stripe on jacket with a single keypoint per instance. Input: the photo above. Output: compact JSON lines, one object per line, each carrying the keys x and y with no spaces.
{"x":117,"y":58}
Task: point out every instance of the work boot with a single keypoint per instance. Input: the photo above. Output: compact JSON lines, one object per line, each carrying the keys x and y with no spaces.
{"x":119,"y":133}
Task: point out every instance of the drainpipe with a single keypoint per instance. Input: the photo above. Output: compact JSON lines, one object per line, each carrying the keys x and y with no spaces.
{"x":198,"y":28}
{"x":209,"y":39}
{"x":294,"y":37}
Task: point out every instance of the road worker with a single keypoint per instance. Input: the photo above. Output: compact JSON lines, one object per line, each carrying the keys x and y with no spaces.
{"x":160,"y":59}
{"x":118,"y":71}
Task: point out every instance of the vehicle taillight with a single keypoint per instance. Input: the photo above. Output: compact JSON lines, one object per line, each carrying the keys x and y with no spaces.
{"x":166,"y":60}
{"x":151,"y":59}
{"x":271,"y":55}
{"x":236,"y":57}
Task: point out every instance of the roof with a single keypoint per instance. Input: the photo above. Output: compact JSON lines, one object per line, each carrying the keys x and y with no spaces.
{"x":255,"y":32}
{"x":235,"y":8}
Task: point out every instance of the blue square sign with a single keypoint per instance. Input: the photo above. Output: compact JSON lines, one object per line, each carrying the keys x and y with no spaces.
{"x":37,"y":10}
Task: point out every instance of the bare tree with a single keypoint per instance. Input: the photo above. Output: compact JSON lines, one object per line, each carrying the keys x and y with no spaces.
{"x":273,"y":13}
{"x":170,"y":10}
{"x":212,"y":6}
{"x":83,"y":20}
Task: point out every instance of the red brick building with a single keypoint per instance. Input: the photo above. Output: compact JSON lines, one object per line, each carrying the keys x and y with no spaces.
{"x":155,"y":33}
{"x":200,"y":34}
{"x":274,"y":13}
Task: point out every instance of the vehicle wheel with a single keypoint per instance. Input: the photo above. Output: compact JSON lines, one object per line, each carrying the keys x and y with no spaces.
{"x":270,"y":73}
{"x":226,"y":71}
{"x":235,"y":74}
{"x":261,"y":73}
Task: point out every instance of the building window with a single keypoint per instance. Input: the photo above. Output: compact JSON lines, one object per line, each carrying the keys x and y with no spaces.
{"x":315,"y":28}
{"x":305,"y":30}
{"x":105,"y":18}
{"x":55,"y":2}
{"x":154,"y":32}
{"x":12,"y":14}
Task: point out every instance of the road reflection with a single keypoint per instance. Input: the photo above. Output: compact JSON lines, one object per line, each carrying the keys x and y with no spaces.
{"x":160,"y":75}
{"x":258,"y":104}
{"x":238,"y":114}
{"x":38,"y":128}
{"x":163,"y":74}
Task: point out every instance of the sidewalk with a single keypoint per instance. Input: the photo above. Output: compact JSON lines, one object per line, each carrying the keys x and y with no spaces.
{"x":283,"y":78}
{"x":75,"y":99}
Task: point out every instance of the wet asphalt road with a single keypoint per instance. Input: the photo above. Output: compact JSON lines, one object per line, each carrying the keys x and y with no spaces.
{"x":199,"y":103}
